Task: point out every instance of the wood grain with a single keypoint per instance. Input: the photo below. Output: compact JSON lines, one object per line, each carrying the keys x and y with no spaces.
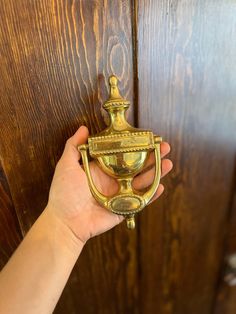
{"x":187,"y":94}
{"x":10,"y":234}
{"x":56,"y":57}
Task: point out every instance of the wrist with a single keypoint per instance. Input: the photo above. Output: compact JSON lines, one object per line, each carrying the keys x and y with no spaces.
{"x":60,"y":234}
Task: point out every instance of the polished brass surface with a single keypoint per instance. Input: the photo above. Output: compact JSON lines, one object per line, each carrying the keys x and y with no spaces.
{"x":121,"y":151}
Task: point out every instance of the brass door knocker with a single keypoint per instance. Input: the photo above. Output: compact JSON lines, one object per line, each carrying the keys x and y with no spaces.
{"x":122,"y":151}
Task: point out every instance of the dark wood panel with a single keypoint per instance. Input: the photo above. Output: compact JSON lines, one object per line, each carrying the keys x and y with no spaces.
{"x":56,"y":57}
{"x":10,"y":234}
{"x":187,"y":94}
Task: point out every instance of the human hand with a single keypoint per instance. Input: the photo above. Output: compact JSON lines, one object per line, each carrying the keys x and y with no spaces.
{"x":70,"y":198}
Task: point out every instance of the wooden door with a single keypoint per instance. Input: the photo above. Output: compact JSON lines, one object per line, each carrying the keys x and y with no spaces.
{"x":56,"y":57}
{"x":176,"y":62}
{"x":187,"y":93}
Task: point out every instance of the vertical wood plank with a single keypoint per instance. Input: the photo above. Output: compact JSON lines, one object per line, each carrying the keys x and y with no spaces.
{"x":10,"y":233}
{"x":56,"y":57}
{"x":187,"y":94}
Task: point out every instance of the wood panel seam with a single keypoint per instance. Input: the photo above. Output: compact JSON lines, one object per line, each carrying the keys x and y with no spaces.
{"x":10,"y":195}
{"x":134,"y":21}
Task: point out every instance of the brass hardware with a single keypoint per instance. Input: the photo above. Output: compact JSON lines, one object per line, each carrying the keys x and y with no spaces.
{"x":122,"y":151}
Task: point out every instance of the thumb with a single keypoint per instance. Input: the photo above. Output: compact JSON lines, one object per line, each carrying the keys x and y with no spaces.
{"x":71,"y":148}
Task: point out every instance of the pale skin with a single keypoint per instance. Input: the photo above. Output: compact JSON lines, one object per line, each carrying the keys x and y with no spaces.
{"x":33,"y":279}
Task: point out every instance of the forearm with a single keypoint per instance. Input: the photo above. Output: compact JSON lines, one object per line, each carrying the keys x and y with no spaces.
{"x":35,"y":276}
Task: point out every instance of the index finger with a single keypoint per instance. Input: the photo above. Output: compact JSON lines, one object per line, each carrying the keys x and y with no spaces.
{"x":165,"y":149}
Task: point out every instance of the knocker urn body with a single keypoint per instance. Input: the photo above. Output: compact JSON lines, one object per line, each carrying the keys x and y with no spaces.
{"x":121,"y":151}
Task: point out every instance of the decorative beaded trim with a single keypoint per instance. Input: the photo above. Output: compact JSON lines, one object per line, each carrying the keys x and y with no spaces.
{"x":127,"y":212}
{"x":120,"y":135}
